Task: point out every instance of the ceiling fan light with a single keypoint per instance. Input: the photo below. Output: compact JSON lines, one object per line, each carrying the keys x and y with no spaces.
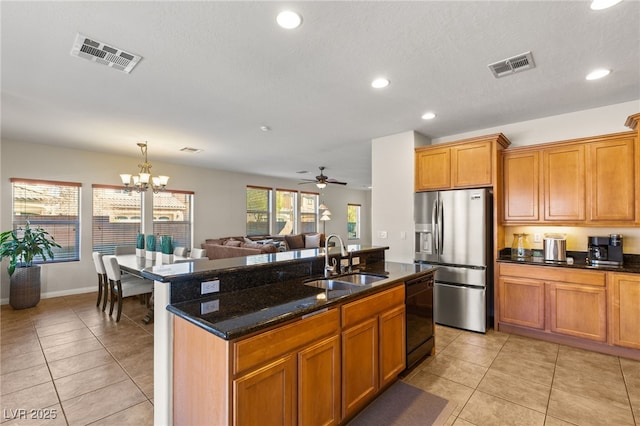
{"x":321,"y":185}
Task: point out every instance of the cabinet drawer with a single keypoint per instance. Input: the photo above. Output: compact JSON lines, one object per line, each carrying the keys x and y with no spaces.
{"x":552,"y":273}
{"x":263,"y":347}
{"x":354,"y":312}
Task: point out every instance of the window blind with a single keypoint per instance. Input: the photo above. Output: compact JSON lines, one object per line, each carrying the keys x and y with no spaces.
{"x":116,"y":218}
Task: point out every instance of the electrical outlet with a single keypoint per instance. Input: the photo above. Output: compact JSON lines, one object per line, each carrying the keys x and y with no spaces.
{"x":382,"y":234}
{"x":210,"y":306}
{"x":537,"y":238}
{"x":207,"y":287}
{"x":403,"y":235}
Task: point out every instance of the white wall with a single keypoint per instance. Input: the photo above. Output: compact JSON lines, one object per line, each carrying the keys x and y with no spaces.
{"x":392,"y":166}
{"x":219,"y":207}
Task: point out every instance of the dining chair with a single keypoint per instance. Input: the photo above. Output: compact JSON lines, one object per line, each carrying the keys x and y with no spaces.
{"x":198,"y":253}
{"x":125,"y":250}
{"x":103,"y":283}
{"x":121,"y":288}
{"x":180,"y":251}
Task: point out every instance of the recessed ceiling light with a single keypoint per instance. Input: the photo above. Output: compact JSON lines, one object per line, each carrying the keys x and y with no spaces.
{"x":288,"y":19}
{"x":603,"y":4}
{"x":428,"y":116}
{"x":599,"y":73}
{"x":265,"y":128}
{"x":379,"y":83}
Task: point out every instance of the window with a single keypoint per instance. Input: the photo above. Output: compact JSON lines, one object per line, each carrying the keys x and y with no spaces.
{"x":286,"y":202}
{"x":52,"y":206}
{"x":308,"y":212}
{"x":116,"y":218}
{"x":172,"y":216}
{"x":258,"y":207}
{"x":353,"y":221}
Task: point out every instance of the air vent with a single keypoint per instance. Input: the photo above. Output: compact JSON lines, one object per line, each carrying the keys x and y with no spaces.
{"x":191,"y":150}
{"x":512,"y":65}
{"x":101,"y":53}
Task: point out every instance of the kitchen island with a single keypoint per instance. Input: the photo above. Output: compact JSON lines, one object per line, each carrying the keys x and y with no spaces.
{"x":263,"y":325}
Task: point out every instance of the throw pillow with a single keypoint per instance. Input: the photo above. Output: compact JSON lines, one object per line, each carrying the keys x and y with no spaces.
{"x":312,"y":240}
{"x":248,"y":240}
{"x":294,"y":241}
{"x":232,"y":243}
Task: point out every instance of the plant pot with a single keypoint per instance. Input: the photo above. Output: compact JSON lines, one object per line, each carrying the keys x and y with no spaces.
{"x":140,"y":252}
{"x":24,"y":287}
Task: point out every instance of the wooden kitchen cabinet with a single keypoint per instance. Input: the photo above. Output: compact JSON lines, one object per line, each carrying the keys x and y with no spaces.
{"x":624,"y":309}
{"x":521,"y":173}
{"x":591,"y":181}
{"x":578,"y":310}
{"x":555,"y":300}
{"x":522,"y":302}
{"x":564,"y":183}
{"x":373,"y":346}
{"x":612,"y":180}
{"x":470,"y":163}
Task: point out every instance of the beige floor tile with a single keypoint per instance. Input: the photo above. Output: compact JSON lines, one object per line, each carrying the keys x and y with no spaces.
{"x":18,"y":335}
{"x":19,"y":348}
{"x":490,"y":340}
{"x":145,"y":383}
{"x":48,"y":330}
{"x":444,"y":388}
{"x":535,"y":349}
{"x":77,"y":363}
{"x":471,"y":353}
{"x":128,"y":347}
{"x":552,"y":421}
{"x":525,"y":366}
{"x":102,"y":403}
{"x":66,"y":350}
{"x":462,"y":422}
{"x":49,"y":320}
{"x":13,"y":324}
{"x":21,"y":362}
{"x":139,"y":363}
{"x":580,"y":359}
{"x":631,"y":373}
{"x":48,"y":416}
{"x":456,"y":370}
{"x":89,"y":380}
{"x":66,"y":337}
{"x":602,"y":385}
{"x":514,"y":389}
{"x":22,"y":379}
{"x":586,"y":411}
{"x":484,"y":409}
{"x":33,"y":398}
{"x":138,"y":415}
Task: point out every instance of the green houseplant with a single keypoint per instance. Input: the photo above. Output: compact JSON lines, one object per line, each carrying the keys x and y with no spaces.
{"x":21,"y":246}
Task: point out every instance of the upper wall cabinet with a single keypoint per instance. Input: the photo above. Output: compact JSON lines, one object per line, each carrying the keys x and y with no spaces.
{"x":469,"y":163}
{"x":590,"y":181}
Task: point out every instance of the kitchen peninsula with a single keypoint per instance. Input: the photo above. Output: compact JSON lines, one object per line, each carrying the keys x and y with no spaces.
{"x":321,"y":355}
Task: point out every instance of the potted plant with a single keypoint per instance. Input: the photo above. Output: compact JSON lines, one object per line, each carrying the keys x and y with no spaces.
{"x":21,"y":246}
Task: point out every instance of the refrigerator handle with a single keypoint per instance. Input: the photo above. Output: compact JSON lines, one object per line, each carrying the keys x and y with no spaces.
{"x":434,"y":224}
{"x":440,"y":228}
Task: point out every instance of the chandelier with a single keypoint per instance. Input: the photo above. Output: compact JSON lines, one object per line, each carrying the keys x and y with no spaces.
{"x":143,"y":180}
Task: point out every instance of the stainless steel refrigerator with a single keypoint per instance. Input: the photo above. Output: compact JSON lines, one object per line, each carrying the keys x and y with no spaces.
{"x":453,"y":229}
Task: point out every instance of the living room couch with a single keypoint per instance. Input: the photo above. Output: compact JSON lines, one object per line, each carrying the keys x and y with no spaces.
{"x":222,"y":248}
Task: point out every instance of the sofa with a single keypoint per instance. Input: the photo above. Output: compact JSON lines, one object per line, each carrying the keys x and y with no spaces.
{"x":222,"y":248}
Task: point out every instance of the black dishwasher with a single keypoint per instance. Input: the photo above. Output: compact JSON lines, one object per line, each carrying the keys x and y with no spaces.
{"x":419,"y":302}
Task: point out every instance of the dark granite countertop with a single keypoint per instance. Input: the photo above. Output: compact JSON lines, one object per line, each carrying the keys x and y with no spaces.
{"x":202,"y":269}
{"x":577,"y":260}
{"x":236,"y":314}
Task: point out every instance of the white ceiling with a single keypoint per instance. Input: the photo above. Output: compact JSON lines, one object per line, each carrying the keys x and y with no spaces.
{"x":212,"y":73}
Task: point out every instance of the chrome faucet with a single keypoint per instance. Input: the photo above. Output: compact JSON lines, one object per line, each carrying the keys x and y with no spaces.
{"x":330,"y":269}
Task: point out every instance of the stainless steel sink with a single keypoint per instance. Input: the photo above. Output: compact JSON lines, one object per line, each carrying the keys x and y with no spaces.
{"x":360,"y":278}
{"x":345,"y":282}
{"x":331,"y":284}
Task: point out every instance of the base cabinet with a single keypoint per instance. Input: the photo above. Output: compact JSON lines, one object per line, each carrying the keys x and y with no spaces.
{"x":624,"y":308}
{"x":522,"y":302}
{"x":360,"y":363}
{"x":578,"y":310}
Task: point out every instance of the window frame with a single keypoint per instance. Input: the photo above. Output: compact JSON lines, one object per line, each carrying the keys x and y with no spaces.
{"x":293,"y":214}
{"x":358,"y":212}
{"x":72,"y":252}
{"x":267,"y":212}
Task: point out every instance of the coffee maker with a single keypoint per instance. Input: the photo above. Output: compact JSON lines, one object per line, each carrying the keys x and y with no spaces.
{"x":605,"y":251}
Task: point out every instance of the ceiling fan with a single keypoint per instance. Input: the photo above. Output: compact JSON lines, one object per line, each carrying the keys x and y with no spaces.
{"x":321,"y":180}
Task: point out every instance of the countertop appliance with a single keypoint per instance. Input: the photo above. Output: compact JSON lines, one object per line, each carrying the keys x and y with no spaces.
{"x":419,"y":326}
{"x":555,"y":247}
{"x":453,"y":229}
{"x":605,"y":250}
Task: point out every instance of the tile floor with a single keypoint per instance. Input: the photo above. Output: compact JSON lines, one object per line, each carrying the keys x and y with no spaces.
{"x":502,"y":379}
{"x":67,"y":358}
{"x":68,"y":362}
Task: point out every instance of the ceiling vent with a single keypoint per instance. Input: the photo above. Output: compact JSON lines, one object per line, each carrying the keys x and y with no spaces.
{"x":191,"y":150}
{"x":512,"y":65}
{"x":97,"y":51}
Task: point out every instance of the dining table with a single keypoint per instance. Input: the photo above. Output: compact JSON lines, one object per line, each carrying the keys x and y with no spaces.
{"x":134,"y":264}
